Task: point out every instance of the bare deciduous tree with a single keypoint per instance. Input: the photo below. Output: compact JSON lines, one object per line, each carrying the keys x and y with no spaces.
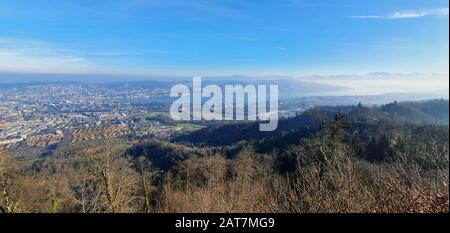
{"x":118,"y":179}
{"x":9,"y":200}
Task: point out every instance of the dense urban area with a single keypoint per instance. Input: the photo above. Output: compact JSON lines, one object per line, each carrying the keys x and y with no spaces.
{"x":43,"y":116}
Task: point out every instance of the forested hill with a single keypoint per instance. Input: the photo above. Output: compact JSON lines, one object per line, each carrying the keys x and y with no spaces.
{"x":432,"y":112}
{"x":426,"y":112}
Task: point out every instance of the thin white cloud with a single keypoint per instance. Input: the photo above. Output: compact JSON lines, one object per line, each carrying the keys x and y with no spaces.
{"x":28,"y":55}
{"x":406,"y":14}
{"x":33,"y":55}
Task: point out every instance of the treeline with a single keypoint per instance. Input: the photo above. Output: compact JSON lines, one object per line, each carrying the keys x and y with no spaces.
{"x":337,"y":167}
{"x":362,"y":118}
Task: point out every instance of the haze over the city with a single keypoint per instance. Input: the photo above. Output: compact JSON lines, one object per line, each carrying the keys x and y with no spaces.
{"x":355,"y":44}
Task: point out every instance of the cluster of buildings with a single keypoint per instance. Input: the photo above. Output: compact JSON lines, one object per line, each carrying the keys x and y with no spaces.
{"x":45,"y":115}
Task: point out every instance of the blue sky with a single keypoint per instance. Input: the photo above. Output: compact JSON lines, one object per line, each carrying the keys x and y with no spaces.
{"x":223,"y":37}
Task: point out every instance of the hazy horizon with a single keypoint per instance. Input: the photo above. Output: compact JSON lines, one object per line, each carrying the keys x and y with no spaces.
{"x":425,"y":86}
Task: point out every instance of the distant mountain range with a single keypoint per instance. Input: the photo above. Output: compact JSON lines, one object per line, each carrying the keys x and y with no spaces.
{"x":303,"y":90}
{"x":287,"y":88}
